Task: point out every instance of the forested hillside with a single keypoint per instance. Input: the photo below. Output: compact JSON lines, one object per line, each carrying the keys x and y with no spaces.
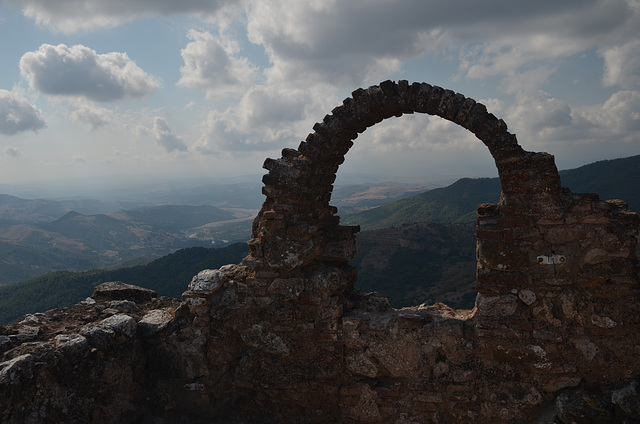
{"x":169,"y":276}
{"x":407,"y":260}
{"x":419,"y":263}
{"x":610,"y":179}
{"x":457,"y":203}
{"x":410,"y":265}
{"x":79,"y":242}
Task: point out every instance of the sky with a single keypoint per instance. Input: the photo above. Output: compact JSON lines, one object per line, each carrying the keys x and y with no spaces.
{"x":133,"y":90}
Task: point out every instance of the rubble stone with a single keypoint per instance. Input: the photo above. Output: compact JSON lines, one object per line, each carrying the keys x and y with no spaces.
{"x":154,"y":321}
{"x":71,"y":343}
{"x":117,"y":290}
{"x":207,"y":281}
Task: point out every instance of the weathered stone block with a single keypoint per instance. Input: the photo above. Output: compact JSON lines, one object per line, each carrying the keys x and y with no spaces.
{"x":16,"y":370}
{"x":153,"y":322}
{"x":207,"y":282}
{"x":71,"y":344}
{"x":117,"y":290}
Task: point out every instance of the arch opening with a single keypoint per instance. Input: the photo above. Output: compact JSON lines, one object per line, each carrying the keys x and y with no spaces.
{"x":297,"y":232}
{"x":418,"y":247}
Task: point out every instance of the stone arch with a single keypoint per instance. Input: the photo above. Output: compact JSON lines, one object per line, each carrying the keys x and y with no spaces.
{"x":297,"y":227}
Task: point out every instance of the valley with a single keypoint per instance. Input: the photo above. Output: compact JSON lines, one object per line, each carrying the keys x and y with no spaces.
{"x":79,"y":242}
{"x":414,"y":248}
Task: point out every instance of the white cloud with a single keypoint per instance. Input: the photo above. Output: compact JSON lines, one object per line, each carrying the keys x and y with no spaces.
{"x":74,"y":15}
{"x":347,"y":42}
{"x":13,"y":151}
{"x":79,"y":71}
{"x":526,"y":50}
{"x":338,"y":42}
{"x":266,"y":117}
{"x":222,"y":132}
{"x":620,"y":114}
{"x":17,"y":114}
{"x":165,"y":137}
{"x":321,"y":48}
{"x":521,"y":63}
{"x":94,"y":117}
{"x":622,"y":65}
{"x":212,"y":64}
{"x":534,"y":114}
{"x":417,"y":133}
{"x":495,"y":106}
{"x":312,"y":53}
{"x":268,"y":105}
{"x":608,"y":130}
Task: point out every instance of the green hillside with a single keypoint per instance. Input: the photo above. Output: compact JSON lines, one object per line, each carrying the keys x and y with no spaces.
{"x":169,"y":276}
{"x":98,"y":232}
{"x":21,"y":262}
{"x":175,"y":217}
{"x":410,"y":265}
{"x":457,"y":203}
{"x":77,"y":242}
{"x":419,"y":263}
{"x":14,"y":209}
{"x":611,"y":179}
{"x":406,"y":263}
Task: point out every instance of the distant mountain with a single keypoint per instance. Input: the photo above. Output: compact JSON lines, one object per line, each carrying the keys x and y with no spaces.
{"x":100,"y":195}
{"x":457,"y":203}
{"x":174,"y":217}
{"x":14,"y":210}
{"x":611,"y":179}
{"x":453,"y":204}
{"x":78,"y":242}
{"x":410,"y":265}
{"x":169,"y":276}
{"x":245,"y":195}
{"x":413,"y":264}
{"x":356,"y":198}
{"x":19,"y":262}
{"x":409,"y":253}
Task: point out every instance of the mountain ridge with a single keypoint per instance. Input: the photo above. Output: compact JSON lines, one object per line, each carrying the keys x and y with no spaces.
{"x":457,"y":203}
{"x":78,"y":242}
{"x":168,"y":275}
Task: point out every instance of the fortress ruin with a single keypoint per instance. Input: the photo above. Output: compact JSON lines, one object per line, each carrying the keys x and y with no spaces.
{"x":284,"y":337}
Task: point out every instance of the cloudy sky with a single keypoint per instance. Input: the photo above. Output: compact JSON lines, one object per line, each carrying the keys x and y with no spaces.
{"x":142,"y":89}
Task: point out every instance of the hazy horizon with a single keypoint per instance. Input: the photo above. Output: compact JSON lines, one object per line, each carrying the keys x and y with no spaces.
{"x":128,"y":188}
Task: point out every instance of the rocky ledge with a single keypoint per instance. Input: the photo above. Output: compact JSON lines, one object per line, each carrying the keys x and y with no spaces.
{"x":78,"y":362}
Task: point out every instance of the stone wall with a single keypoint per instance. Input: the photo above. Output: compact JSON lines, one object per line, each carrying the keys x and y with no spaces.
{"x":284,"y":336}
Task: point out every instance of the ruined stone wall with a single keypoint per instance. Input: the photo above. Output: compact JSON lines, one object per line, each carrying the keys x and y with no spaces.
{"x":285,"y":337}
